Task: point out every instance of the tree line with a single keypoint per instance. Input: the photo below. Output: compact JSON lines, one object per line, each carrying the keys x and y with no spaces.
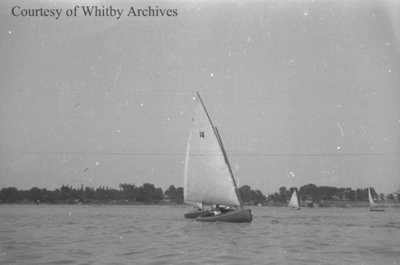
{"x":148,"y":193}
{"x":313,"y":193}
{"x":67,"y":194}
{"x":127,"y":193}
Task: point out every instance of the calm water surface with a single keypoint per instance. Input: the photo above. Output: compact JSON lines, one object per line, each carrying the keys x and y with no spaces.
{"x":83,"y":234}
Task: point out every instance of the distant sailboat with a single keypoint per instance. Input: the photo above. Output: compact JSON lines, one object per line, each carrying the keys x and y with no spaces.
{"x":208,"y":177}
{"x":372,"y":205}
{"x":294,"y":202}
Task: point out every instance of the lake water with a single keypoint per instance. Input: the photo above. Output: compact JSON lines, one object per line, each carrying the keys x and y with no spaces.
{"x":83,"y":234}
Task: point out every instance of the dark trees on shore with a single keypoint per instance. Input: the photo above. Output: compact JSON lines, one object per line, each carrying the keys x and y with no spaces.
{"x":67,"y":194}
{"x":251,"y":196}
{"x":127,"y":193}
{"x":313,"y":193}
{"x":174,"y":194}
{"x":10,"y":194}
{"x":148,"y":193}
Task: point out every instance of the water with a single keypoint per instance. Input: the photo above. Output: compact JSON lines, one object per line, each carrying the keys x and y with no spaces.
{"x":83,"y":234}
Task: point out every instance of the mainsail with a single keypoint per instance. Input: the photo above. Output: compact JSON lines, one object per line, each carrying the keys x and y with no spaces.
{"x":294,"y":202}
{"x":371,"y":201}
{"x":207,"y":177}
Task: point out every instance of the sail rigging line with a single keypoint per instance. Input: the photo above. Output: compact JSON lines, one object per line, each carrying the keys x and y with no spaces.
{"x":223,"y":151}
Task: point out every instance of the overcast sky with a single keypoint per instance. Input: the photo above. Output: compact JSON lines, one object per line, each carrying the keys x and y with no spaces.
{"x":301,"y":91}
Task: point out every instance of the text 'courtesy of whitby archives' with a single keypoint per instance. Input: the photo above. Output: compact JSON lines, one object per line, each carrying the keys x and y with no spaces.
{"x":94,"y":11}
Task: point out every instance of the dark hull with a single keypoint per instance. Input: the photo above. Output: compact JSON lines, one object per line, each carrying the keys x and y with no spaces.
{"x":377,"y":209}
{"x":294,"y":208}
{"x":237,"y":216}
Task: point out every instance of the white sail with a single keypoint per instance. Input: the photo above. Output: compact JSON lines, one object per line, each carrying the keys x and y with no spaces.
{"x":294,"y":202}
{"x":371,"y":201}
{"x":206,"y":175}
{"x":186,"y":169}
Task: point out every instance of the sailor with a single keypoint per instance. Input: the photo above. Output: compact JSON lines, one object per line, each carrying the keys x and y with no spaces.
{"x":217,"y":211}
{"x":225,"y":209}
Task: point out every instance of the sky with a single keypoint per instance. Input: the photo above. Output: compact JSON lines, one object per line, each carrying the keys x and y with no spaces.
{"x":301,"y":91}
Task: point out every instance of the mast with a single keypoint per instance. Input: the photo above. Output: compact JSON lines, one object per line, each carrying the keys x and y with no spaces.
{"x":223,"y":152}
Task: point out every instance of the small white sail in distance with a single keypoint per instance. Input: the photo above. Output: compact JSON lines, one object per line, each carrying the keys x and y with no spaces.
{"x":207,"y":178}
{"x":294,"y":202}
{"x":371,"y":201}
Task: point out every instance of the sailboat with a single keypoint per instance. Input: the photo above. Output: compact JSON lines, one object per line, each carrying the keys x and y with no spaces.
{"x":208,"y":177}
{"x":294,"y":202}
{"x":372,"y":205}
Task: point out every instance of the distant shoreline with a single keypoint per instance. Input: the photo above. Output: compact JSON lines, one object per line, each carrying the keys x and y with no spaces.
{"x":160,"y":203}
{"x":339,"y":204}
{"x":326,"y":204}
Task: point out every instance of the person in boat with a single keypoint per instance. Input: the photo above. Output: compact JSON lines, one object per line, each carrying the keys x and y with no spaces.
{"x":217,"y":210}
{"x":196,"y":209}
{"x":207,"y":213}
{"x":225,"y":209}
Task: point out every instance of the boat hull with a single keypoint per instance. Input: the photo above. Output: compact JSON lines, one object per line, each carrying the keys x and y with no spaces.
{"x":294,"y":208}
{"x":237,"y":216}
{"x":192,"y":215}
{"x":377,"y":209}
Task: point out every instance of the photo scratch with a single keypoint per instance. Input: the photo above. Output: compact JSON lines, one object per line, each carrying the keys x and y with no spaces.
{"x":340,"y":128}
